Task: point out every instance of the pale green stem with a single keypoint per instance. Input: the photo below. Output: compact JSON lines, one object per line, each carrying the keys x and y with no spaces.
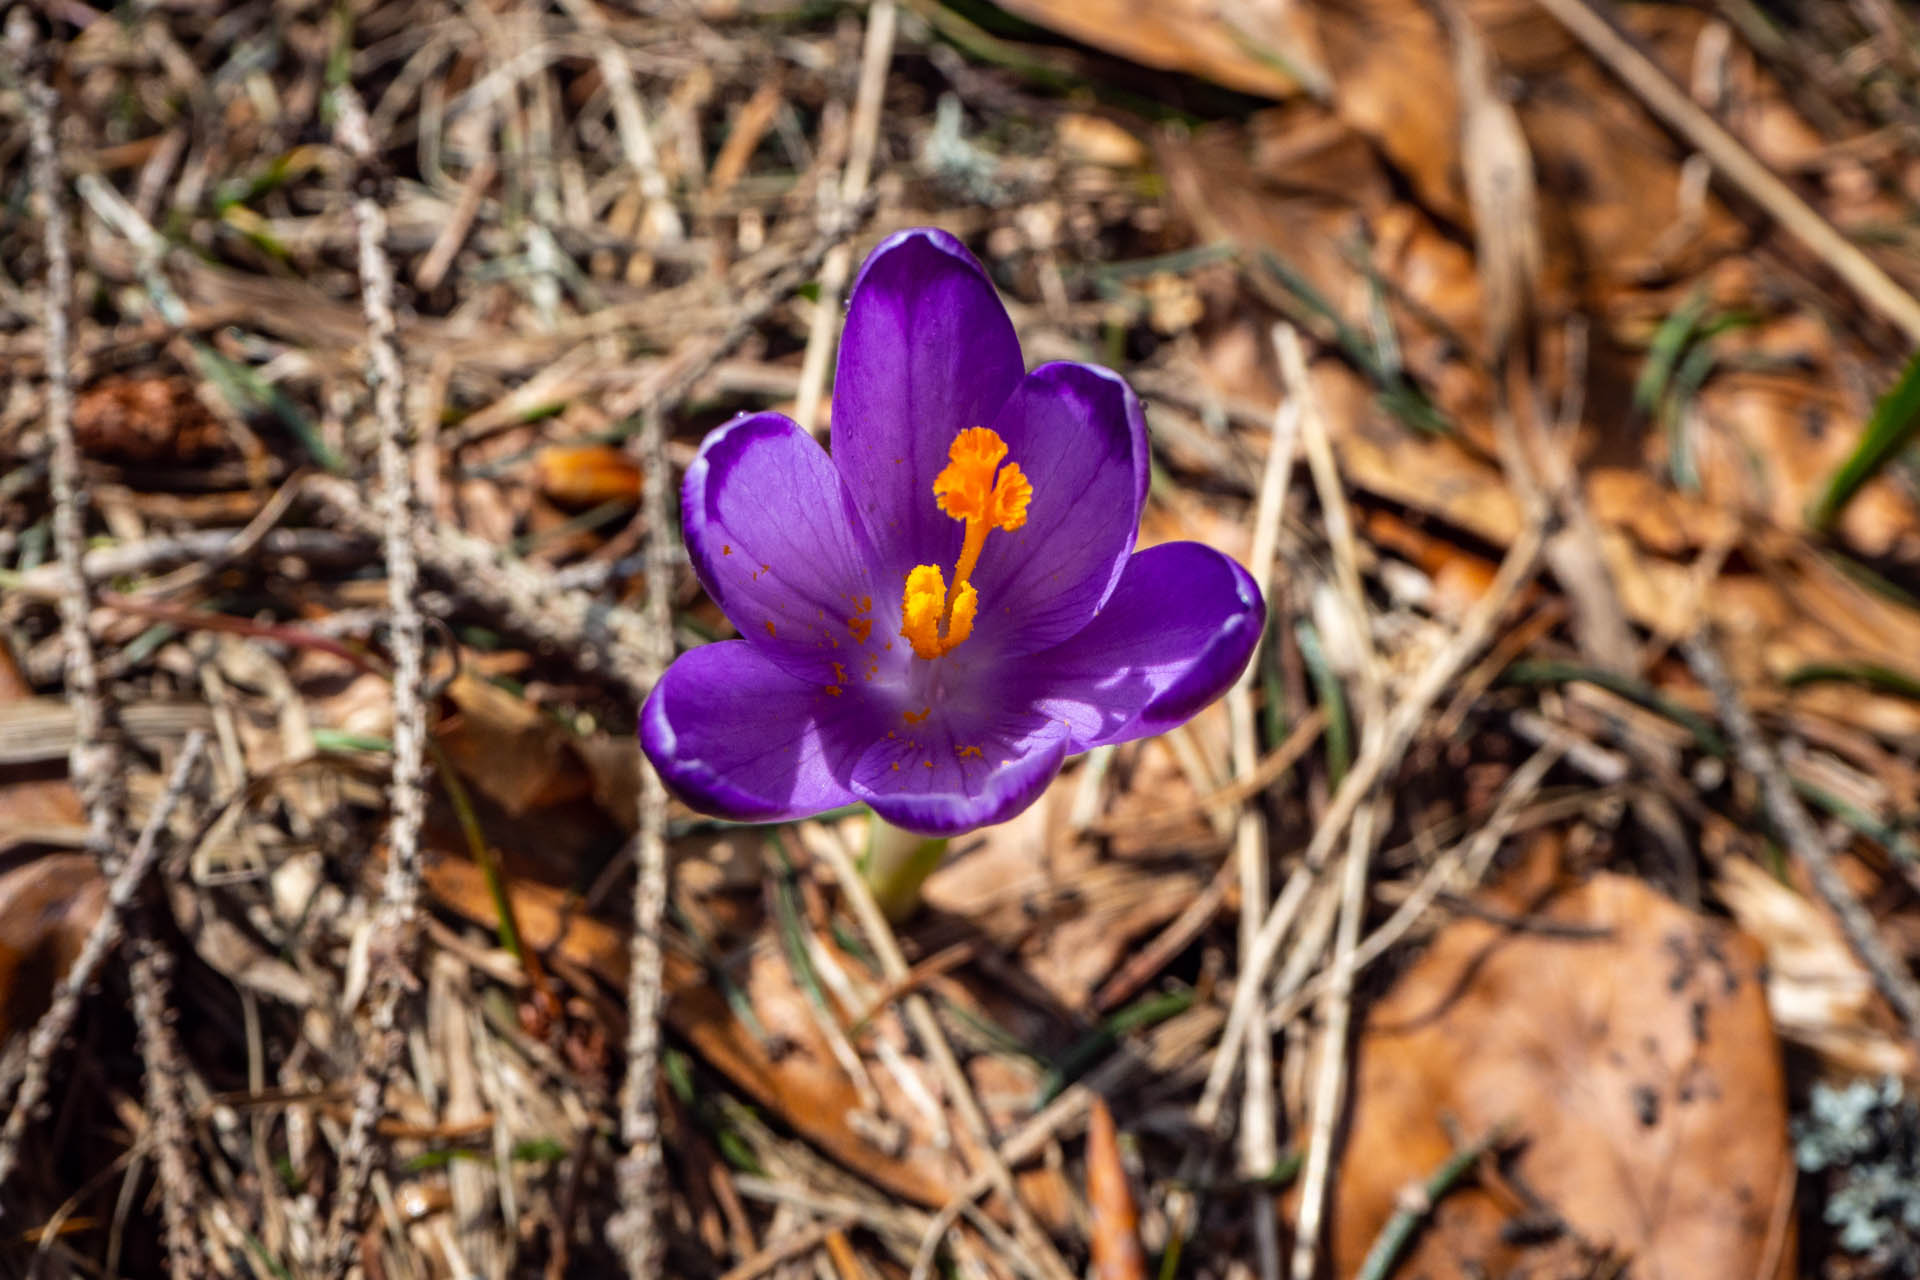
{"x":897,"y":863}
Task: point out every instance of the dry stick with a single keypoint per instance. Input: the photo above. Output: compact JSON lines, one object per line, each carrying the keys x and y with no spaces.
{"x":163,"y":1069}
{"x":1259,"y":1140}
{"x":599,"y":638}
{"x":636,"y":1230}
{"x":1738,"y":165}
{"x":1469,"y":857}
{"x":1337,"y":1015}
{"x":920,"y":1015}
{"x":1790,"y":820}
{"x":875,"y":57}
{"x":43,"y":1044}
{"x":94,"y":763}
{"x":1377,"y":753}
{"x":397,"y":928}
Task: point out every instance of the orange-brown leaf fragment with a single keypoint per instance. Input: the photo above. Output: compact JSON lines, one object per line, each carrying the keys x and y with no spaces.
{"x":586,"y":475}
{"x":1116,"y":1224}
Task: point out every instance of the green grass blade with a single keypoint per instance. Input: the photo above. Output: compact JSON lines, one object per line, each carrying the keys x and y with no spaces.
{"x":1889,"y":430}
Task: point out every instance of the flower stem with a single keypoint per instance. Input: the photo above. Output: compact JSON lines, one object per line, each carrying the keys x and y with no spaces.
{"x":897,"y":863}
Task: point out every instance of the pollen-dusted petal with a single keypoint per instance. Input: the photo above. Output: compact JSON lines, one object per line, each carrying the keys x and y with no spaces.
{"x":942,"y":787}
{"x":735,"y":735}
{"x":927,"y":352}
{"x":1175,"y":633}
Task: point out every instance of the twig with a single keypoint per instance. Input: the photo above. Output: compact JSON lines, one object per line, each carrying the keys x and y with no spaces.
{"x":1259,"y":1139}
{"x":1329,"y":1083}
{"x":94,"y":764}
{"x":598,"y":637}
{"x":875,"y":57}
{"x":1469,"y":858}
{"x":397,"y":929}
{"x":1737,"y":164}
{"x":150,"y":980}
{"x":1417,"y":1202}
{"x":802,"y":1241}
{"x":636,"y":1230}
{"x":1790,"y":821}
{"x":1376,"y":755}
{"x":920,"y":1015}
{"x":43,"y":1044}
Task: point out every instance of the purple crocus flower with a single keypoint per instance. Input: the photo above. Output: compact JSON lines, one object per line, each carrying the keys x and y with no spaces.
{"x":937,"y":615}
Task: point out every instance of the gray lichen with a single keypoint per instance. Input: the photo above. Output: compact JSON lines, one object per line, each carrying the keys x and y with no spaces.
{"x":1866,"y":1137}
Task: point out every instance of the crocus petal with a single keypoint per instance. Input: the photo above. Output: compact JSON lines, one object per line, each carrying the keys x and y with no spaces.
{"x":735,"y":735}
{"x":1078,"y":435}
{"x":774,"y":536}
{"x":1176,"y":632}
{"x":954,"y":772}
{"x":927,"y":352}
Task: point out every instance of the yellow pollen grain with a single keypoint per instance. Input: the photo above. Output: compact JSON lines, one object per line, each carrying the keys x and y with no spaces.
{"x":726,"y":549}
{"x":861,"y":628}
{"x":768,"y":624}
{"x":839,"y":673}
{"x":834,"y":689}
{"x":896,"y":766}
{"x":976,"y":490}
{"x":969,"y":751}
{"x":915,"y":717}
{"x":929,"y":764}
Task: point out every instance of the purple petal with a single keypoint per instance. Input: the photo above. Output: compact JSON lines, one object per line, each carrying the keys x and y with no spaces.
{"x":737,"y":736}
{"x":774,"y":536}
{"x":927,"y":352}
{"x":1078,"y":435}
{"x":969,"y":767}
{"x":1176,"y":632}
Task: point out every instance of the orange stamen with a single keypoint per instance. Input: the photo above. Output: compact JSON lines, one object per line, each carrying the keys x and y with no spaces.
{"x":968,"y":489}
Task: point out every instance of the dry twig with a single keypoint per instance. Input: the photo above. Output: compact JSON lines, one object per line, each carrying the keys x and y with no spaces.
{"x":397,"y":936}
{"x":43,"y":1043}
{"x":920,"y":1015}
{"x":1736,"y":163}
{"x":1796,"y":828}
{"x":95,"y":763}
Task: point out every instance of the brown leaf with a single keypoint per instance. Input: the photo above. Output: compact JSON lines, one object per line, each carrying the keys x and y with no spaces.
{"x":1115,"y":1241}
{"x":586,"y":475}
{"x":1639,"y":1071}
{"x":1242,"y":46}
{"x":514,"y":753}
{"x":144,"y":419}
{"x":47,"y":909}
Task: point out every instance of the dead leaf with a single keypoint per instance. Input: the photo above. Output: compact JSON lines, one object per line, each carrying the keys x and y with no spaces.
{"x":1115,"y":1238}
{"x":1638,"y":1070}
{"x":48,"y":907}
{"x":586,"y":475}
{"x":514,"y":753}
{"x":1819,"y":993}
{"x":1242,"y":44}
{"x":144,"y":420}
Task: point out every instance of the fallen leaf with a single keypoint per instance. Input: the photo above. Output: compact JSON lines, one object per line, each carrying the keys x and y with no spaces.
{"x":586,"y":475}
{"x":1240,"y":44}
{"x":1115,"y":1238}
{"x":1819,"y":993}
{"x":1638,"y":1071}
{"x":48,"y":907}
